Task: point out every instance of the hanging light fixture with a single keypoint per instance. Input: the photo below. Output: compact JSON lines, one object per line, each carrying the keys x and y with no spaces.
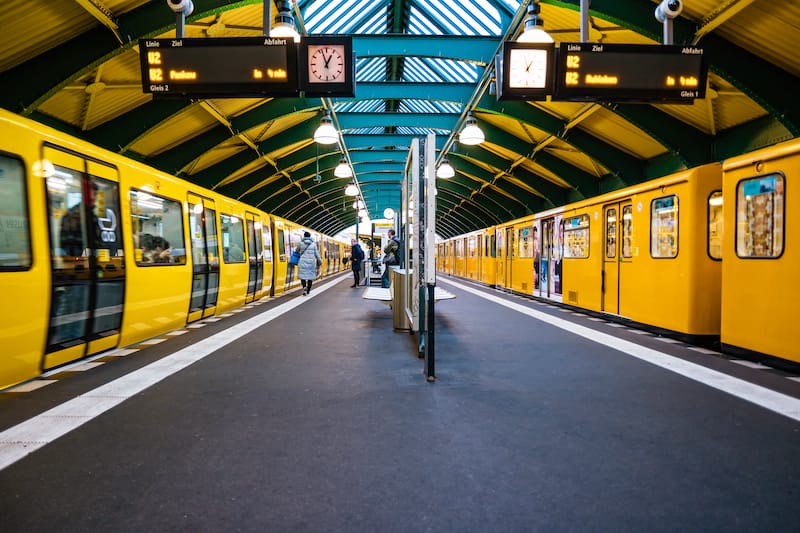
{"x":534,"y":26}
{"x":343,"y":170}
{"x":445,"y":170}
{"x":363,"y":213}
{"x":351,"y":190}
{"x":326,"y":133}
{"x":471,"y":134}
{"x":284,"y":22}
{"x":358,"y":204}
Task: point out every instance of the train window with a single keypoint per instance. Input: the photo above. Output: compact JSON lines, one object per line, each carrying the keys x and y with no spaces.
{"x":664,"y":227}
{"x":157,"y":225}
{"x":282,"y":244}
{"x":493,"y":245}
{"x":15,"y":240}
{"x":471,"y":247}
{"x":627,"y":231}
{"x":576,"y":237}
{"x":266,"y":235}
{"x":611,"y":232}
{"x":759,"y":216}
{"x":715,"y":225}
{"x":232,"y":232}
{"x":525,"y":240}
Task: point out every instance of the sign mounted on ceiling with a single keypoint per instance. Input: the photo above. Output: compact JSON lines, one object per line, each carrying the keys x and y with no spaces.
{"x":630,"y":73}
{"x":596,"y":72}
{"x":219,"y":67}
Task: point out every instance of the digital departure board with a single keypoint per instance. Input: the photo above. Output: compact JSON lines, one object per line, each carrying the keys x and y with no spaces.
{"x":630,"y":73}
{"x":219,"y":67}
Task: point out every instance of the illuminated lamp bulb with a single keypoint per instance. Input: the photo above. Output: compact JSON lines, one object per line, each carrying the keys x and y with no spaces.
{"x":445,"y":170}
{"x":326,"y":133}
{"x":342,"y":170}
{"x":534,"y":27}
{"x":471,"y":134}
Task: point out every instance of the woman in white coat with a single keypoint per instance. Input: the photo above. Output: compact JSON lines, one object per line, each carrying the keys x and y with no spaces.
{"x":309,"y":262}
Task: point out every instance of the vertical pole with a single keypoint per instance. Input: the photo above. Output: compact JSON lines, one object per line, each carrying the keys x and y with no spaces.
{"x":584,"y":21}
{"x":180,"y":20}
{"x":427,"y":239}
{"x":267,"y":17}
{"x":667,"y":30}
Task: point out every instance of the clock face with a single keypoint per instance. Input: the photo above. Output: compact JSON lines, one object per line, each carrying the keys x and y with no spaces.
{"x":527,"y":68}
{"x":326,"y":64}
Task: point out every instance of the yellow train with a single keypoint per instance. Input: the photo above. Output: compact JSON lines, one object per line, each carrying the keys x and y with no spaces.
{"x":98,"y":251}
{"x":657,"y":255}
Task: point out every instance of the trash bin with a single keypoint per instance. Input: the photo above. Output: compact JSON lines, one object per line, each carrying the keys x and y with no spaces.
{"x":399,"y":280}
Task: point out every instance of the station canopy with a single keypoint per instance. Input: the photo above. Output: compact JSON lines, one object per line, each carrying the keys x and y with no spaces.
{"x":421,"y":67}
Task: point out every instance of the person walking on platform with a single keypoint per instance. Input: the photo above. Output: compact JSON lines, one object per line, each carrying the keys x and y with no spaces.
{"x":356,"y":256}
{"x":309,"y":262}
{"x":390,"y":257}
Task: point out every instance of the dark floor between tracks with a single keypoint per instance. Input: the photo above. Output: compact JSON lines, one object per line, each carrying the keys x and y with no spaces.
{"x":318,"y":418}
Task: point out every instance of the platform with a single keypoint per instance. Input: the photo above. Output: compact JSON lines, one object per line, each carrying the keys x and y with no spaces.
{"x":309,"y":413}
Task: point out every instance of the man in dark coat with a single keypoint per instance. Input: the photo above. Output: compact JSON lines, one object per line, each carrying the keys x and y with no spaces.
{"x":356,"y":256}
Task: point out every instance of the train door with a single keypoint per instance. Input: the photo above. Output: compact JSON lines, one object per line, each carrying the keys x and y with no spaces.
{"x":499,"y":260}
{"x":508,"y":257}
{"x":479,"y":251}
{"x":616,"y":251}
{"x":545,"y":279}
{"x":266,"y":256}
{"x":88,"y":285}
{"x":205,"y":257}
{"x":255,"y":278}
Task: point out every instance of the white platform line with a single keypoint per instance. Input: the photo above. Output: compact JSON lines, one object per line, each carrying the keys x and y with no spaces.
{"x":177,"y":332}
{"x":761,"y":396}
{"x":750,"y":364}
{"x":703,"y":350}
{"x":152,"y":342}
{"x":31,"y":385}
{"x":27,"y":437}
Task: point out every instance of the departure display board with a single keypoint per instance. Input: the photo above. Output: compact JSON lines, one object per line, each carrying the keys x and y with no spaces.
{"x":219,"y":67}
{"x":630,"y":73}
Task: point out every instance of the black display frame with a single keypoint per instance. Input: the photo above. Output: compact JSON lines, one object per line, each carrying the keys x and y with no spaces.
{"x":221,"y":58}
{"x":502,"y":72}
{"x":347,"y":88}
{"x":640,"y":62}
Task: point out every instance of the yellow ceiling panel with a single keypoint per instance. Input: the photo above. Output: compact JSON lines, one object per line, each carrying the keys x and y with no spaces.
{"x":618,"y":132}
{"x":190,"y":122}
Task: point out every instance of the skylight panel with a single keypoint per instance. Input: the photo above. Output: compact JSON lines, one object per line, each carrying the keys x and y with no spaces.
{"x":373,"y":69}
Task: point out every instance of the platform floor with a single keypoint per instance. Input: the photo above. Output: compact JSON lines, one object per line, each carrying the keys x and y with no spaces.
{"x":309,"y":413}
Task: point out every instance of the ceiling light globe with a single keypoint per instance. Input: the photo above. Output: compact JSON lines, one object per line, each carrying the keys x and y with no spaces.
{"x":343,"y":170}
{"x":445,"y":170}
{"x":326,"y":133}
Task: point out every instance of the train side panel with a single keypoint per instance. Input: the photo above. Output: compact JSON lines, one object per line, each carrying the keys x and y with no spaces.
{"x":642,"y":253}
{"x":24,"y":256}
{"x":158,"y":288}
{"x":761,"y":253}
{"x":671,"y":282}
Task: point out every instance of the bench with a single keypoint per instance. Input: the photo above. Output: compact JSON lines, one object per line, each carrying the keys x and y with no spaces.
{"x":385,"y":295}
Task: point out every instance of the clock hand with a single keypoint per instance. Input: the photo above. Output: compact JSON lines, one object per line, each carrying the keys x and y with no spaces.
{"x":328,"y":60}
